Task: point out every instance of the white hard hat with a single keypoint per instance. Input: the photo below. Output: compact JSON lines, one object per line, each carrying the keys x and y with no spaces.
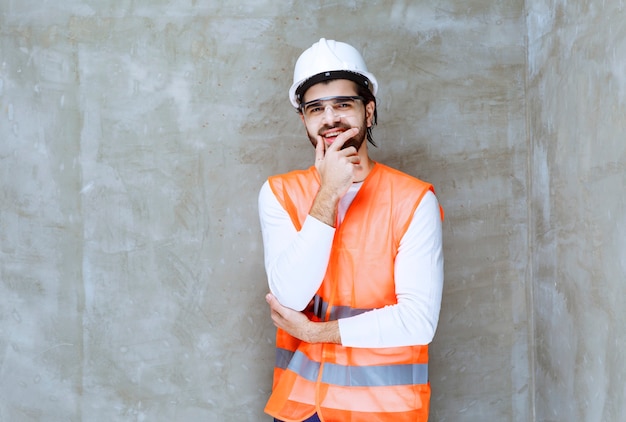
{"x":328,"y":59}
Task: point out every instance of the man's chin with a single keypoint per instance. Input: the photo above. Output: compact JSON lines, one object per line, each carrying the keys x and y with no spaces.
{"x":352,"y":142}
{"x":349,"y":143}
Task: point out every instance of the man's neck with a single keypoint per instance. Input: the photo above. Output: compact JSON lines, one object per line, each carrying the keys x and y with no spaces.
{"x":366,"y":165}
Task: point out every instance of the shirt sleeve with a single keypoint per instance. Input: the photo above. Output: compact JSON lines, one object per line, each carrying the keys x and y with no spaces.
{"x":419,"y":284}
{"x":295,"y":261}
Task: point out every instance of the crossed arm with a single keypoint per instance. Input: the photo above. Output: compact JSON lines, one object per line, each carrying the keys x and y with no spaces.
{"x":298,"y":325}
{"x":296,"y":263}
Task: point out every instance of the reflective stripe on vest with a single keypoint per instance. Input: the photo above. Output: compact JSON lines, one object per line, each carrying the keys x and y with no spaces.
{"x":320,"y":308}
{"x":352,"y":376}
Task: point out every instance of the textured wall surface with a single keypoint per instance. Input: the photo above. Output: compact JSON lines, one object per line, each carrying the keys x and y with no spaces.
{"x":577,"y":116}
{"x":134,"y":136}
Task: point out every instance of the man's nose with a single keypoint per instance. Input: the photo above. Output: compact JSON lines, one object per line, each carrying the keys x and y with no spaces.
{"x":330,"y":114}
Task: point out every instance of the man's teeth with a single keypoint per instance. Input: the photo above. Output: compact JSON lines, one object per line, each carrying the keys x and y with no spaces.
{"x":332,"y":135}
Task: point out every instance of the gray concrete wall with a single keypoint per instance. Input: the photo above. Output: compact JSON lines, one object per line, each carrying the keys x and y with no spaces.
{"x":134,"y":136}
{"x":577,"y":120}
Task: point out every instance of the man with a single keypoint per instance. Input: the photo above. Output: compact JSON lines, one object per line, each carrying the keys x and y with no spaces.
{"x":353,"y":257}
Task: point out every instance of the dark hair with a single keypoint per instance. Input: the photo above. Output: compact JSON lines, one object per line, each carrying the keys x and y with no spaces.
{"x":365,"y":92}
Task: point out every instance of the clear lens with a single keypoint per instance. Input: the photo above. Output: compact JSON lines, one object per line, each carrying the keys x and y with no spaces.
{"x":340,"y":106}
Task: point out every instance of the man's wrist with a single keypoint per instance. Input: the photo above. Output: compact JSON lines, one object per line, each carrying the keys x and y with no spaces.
{"x":325,"y":207}
{"x":323,"y":332}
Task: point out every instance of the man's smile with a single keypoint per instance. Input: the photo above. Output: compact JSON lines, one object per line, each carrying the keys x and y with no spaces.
{"x":331,"y":134}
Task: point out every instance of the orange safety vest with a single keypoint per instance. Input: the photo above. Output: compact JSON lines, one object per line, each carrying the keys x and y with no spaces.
{"x":343,"y":383}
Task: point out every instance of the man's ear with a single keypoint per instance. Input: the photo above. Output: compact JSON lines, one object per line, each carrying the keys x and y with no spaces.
{"x":369,"y":112}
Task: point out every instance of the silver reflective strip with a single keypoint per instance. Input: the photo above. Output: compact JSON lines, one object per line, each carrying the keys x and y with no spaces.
{"x":283,"y":357}
{"x":338,"y":312}
{"x":298,"y":363}
{"x":375,"y":376}
{"x":353,"y":376}
{"x":320,"y":307}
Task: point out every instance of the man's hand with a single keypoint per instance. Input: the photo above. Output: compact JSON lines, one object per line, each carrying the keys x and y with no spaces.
{"x":294,"y":322}
{"x":298,"y":325}
{"x":336,"y":165}
{"x":336,"y":168}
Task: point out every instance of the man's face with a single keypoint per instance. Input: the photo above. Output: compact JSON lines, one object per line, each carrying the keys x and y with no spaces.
{"x":333,"y":115}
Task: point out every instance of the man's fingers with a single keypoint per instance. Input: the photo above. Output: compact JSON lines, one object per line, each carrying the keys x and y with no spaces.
{"x":275,"y":306}
{"x":271,"y":300}
{"x":319,"y":150}
{"x":275,"y":314}
{"x":342,"y":138}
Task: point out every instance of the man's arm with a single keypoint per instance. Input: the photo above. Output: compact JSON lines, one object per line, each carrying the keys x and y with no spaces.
{"x":419,"y":284}
{"x":295,"y":262}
